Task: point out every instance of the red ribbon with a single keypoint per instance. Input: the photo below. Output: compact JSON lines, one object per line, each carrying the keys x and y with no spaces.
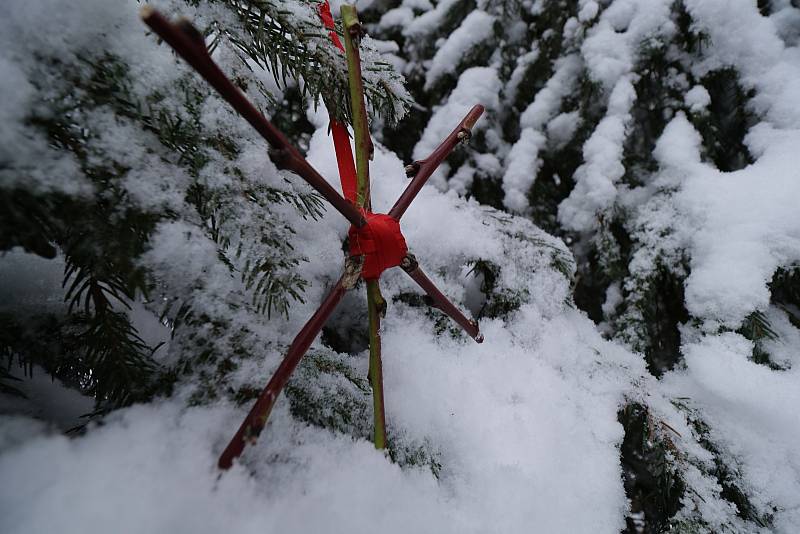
{"x":380,"y":240}
{"x":324,"y":11}
{"x":341,"y":140}
{"x":344,"y":160}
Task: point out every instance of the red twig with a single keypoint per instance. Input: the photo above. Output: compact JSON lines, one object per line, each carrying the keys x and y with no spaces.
{"x":411,"y":266}
{"x":422,"y":170}
{"x":257,"y":418}
{"x":188,"y":42}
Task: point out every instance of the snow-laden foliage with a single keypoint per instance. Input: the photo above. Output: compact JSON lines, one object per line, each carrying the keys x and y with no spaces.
{"x":108,"y":134}
{"x":122,"y":158}
{"x":656,"y":137}
{"x":153,"y":254}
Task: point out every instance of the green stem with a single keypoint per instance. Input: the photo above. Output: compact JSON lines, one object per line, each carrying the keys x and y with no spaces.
{"x":352,"y":38}
{"x":375,"y":302}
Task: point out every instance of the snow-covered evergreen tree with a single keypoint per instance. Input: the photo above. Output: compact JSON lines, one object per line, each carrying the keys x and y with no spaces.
{"x":648,"y":134}
{"x":640,"y":369}
{"x":119,"y":161}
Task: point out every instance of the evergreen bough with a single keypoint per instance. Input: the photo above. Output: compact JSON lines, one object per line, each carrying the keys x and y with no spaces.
{"x":102,"y":233}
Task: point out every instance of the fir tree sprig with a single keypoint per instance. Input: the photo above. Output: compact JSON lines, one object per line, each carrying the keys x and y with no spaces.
{"x":291,"y":42}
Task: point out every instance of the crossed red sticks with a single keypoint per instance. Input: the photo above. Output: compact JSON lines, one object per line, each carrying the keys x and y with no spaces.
{"x":375,"y":239}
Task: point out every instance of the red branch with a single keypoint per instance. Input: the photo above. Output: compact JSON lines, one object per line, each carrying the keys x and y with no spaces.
{"x":188,"y":42}
{"x":425,"y":168}
{"x":411,"y":266}
{"x":255,"y":421}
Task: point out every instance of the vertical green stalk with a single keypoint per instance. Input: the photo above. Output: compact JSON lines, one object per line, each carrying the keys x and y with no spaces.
{"x":352,"y":37}
{"x":375,"y":302}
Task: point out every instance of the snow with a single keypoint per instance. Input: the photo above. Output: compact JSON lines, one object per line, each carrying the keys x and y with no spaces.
{"x":397,"y":17}
{"x":740,"y":226}
{"x":609,"y":52}
{"x":430,"y":19}
{"x":613,"y":299}
{"x":522,"y":160}
{"x":781,"y":349}
{"x":588,"y":11}
{"x":748,"y":41}
{"x":595,"y":189}
{"x":476,"y":29}
{"x":732,"y":230}
{"x":172,"y":449}
{"x":30,"y":283}
{"x":45,"y":399}
{"x":544,"y":390}
{"x":747,"y":226}
{"x":548,"y":100}
{"x":697,"y":99}
{"x":523,"y":62}
{"x":521,"y":430}
{"x":562,"y":128}
{"x":747,"y":405}
{"x":786,"y":18}
{"x":679,"y":146}
{"x":522,"y":168}
{"x":736,"y":229}
{"x":611,"y":44}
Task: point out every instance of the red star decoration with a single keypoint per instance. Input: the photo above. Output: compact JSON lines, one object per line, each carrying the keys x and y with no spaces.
{"x":376,"y":241}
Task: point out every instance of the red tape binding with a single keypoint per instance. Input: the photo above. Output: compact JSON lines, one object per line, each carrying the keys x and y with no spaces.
{"x":380,"y":242}
{"x":344,"y":159}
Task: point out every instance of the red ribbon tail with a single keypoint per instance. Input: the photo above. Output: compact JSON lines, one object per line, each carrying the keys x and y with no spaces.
{"x":344,"y":159}
{"x":341,"y":140}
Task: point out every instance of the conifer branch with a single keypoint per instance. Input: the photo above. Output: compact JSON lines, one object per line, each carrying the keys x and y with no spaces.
{"x":293,"y":45}
{"x":188,"y":42}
